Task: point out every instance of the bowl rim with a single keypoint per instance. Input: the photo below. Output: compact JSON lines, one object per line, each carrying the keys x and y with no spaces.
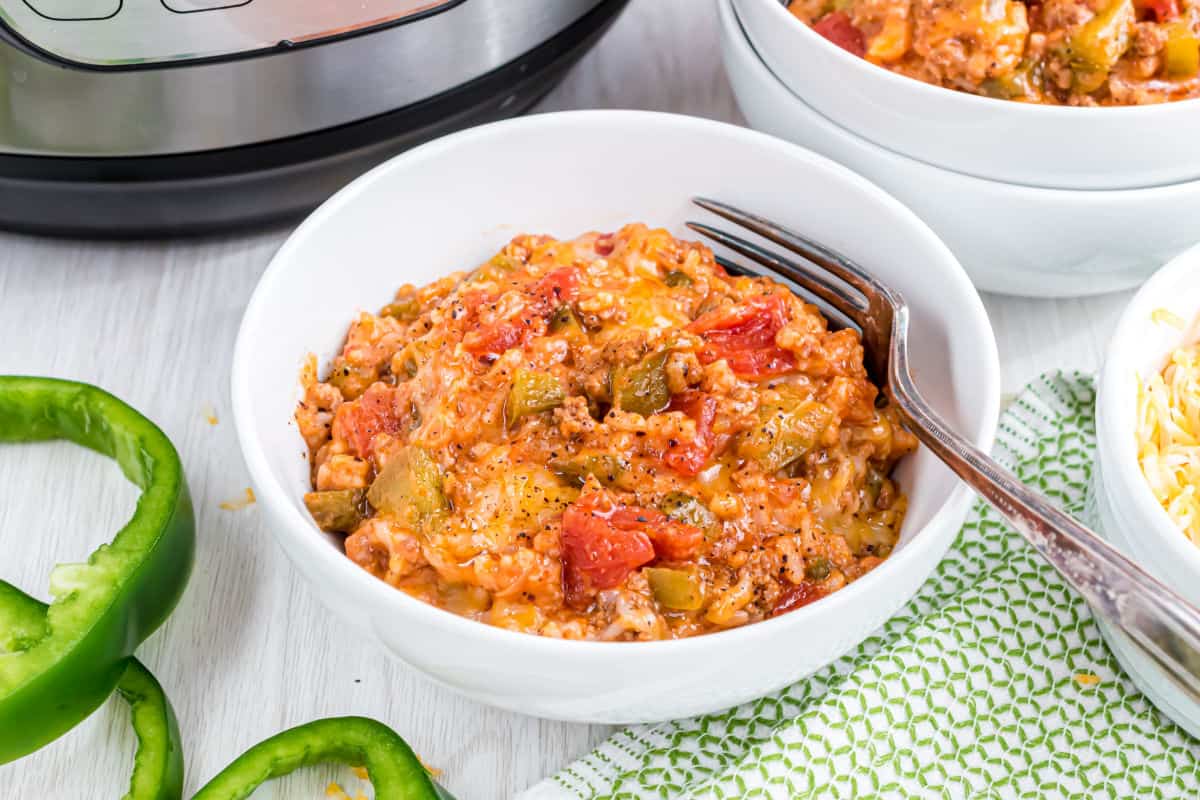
{"x":1025,"y":111}
{"x":1080,"y":197}
{"x":305,"y":540}
{"x":1116,"y":410}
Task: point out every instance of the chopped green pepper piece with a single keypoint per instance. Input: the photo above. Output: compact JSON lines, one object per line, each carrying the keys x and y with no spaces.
{"x":866,"y":534}
{"x":642,"y":388}
{"x":682,"y":507}
{"x":532,"y":393}
{"x":404,"y":309}
{"x":410,"y":488}
{"x":393,"y":768}
{"x":607,"y":468}
{"x":495,"y":269}
{"x":1095,"y":47}
{"x":338,"y":511}
{"x":158,"y":764}
{"x":61,"y":669}
{"x":873,"y":484}
{"x":785,"y":434}
{"x":817,"y":569}
{"x":563,"y":320}
{"x":677,"y":278}
{"x":1181,"y":55}
{"x":1024,"y":82}
{"x":676,"y":589}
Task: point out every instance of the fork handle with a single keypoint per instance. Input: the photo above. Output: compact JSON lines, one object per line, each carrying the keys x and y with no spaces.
{"x":1160,"y":622}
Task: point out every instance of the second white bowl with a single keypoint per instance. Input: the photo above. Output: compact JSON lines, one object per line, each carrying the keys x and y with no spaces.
{"x":1012,"y":239}
{"x":1036,"y":145}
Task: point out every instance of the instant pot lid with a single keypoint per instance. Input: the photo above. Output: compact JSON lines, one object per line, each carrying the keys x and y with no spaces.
{"x":196,"y":192}
{"x":119,"y":33}
{"x":149,"y":80}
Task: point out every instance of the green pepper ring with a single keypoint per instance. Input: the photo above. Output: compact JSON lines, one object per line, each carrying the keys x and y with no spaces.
{"x":58,"y":663}
{"x":393,"y":768}
{"x":158,"y":763}
{"x":53,"y":675}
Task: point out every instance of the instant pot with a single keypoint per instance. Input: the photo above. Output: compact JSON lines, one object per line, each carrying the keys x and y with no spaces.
{"x":129,"y":117}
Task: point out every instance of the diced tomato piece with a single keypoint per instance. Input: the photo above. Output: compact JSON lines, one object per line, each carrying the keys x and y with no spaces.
{"x":553,"y":289}
{"x":797,"y":596}
{"x":673,"y":541}
{"x":598,"y":554}
{"x":689,"y":458}
{"x":604,"y":541}
{"x":492,"y":340}
{"x":604,"y":245}
{"x":744,"y":336}
{"x":837,"y":28}
{"x":557,"y":287}
{"x":676,"y":541}
{"x":370,"y":415}
{"x":1160,"y":10}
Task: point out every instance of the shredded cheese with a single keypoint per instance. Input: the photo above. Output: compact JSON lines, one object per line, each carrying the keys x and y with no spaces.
{"x":238,"y":505}
{"x":210,"y":414}
{"x":1163,"y":315}
{"x":1168,"y":432}
{"x":308,"y":370}
{"x":1087,"y":679}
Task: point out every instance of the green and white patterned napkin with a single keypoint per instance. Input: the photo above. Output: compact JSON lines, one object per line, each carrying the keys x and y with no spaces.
{"x":982,"y":686}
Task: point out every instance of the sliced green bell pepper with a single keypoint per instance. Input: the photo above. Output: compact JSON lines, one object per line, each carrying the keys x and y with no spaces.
{"x":158,"y":763}
{"x":404,"y":309}
{"x":685,"y":508}
{"x":1096,"y":46}
{"x":677,"y":589}
{"x":532,"y":393}
{"x":786,"y":433}
{"x":564,"y":321}
{"x":393,"y":768}
{"x":59,"y":670}
{"x":1024,"y":82}
{"x":410,"y":488}
{"x":337,"y":510}
{"x":642,"y":388}
{"x":59,"y":662}
{"x":607,"y":468}
{"x":677,"y":278}
{"x":817,"y":568}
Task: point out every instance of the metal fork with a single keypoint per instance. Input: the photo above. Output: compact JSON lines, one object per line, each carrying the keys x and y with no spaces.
{"x":1155,"y":618}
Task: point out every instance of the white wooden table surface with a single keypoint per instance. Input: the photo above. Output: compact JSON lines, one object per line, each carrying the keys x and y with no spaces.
{"x":249,"y":651}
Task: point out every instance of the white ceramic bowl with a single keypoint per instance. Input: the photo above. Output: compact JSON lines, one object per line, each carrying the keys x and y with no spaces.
{"x":1036,"y":145}
{"x":451,"y":204}
{"x":1011,"y":239}
{"x":1125,"y":509}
